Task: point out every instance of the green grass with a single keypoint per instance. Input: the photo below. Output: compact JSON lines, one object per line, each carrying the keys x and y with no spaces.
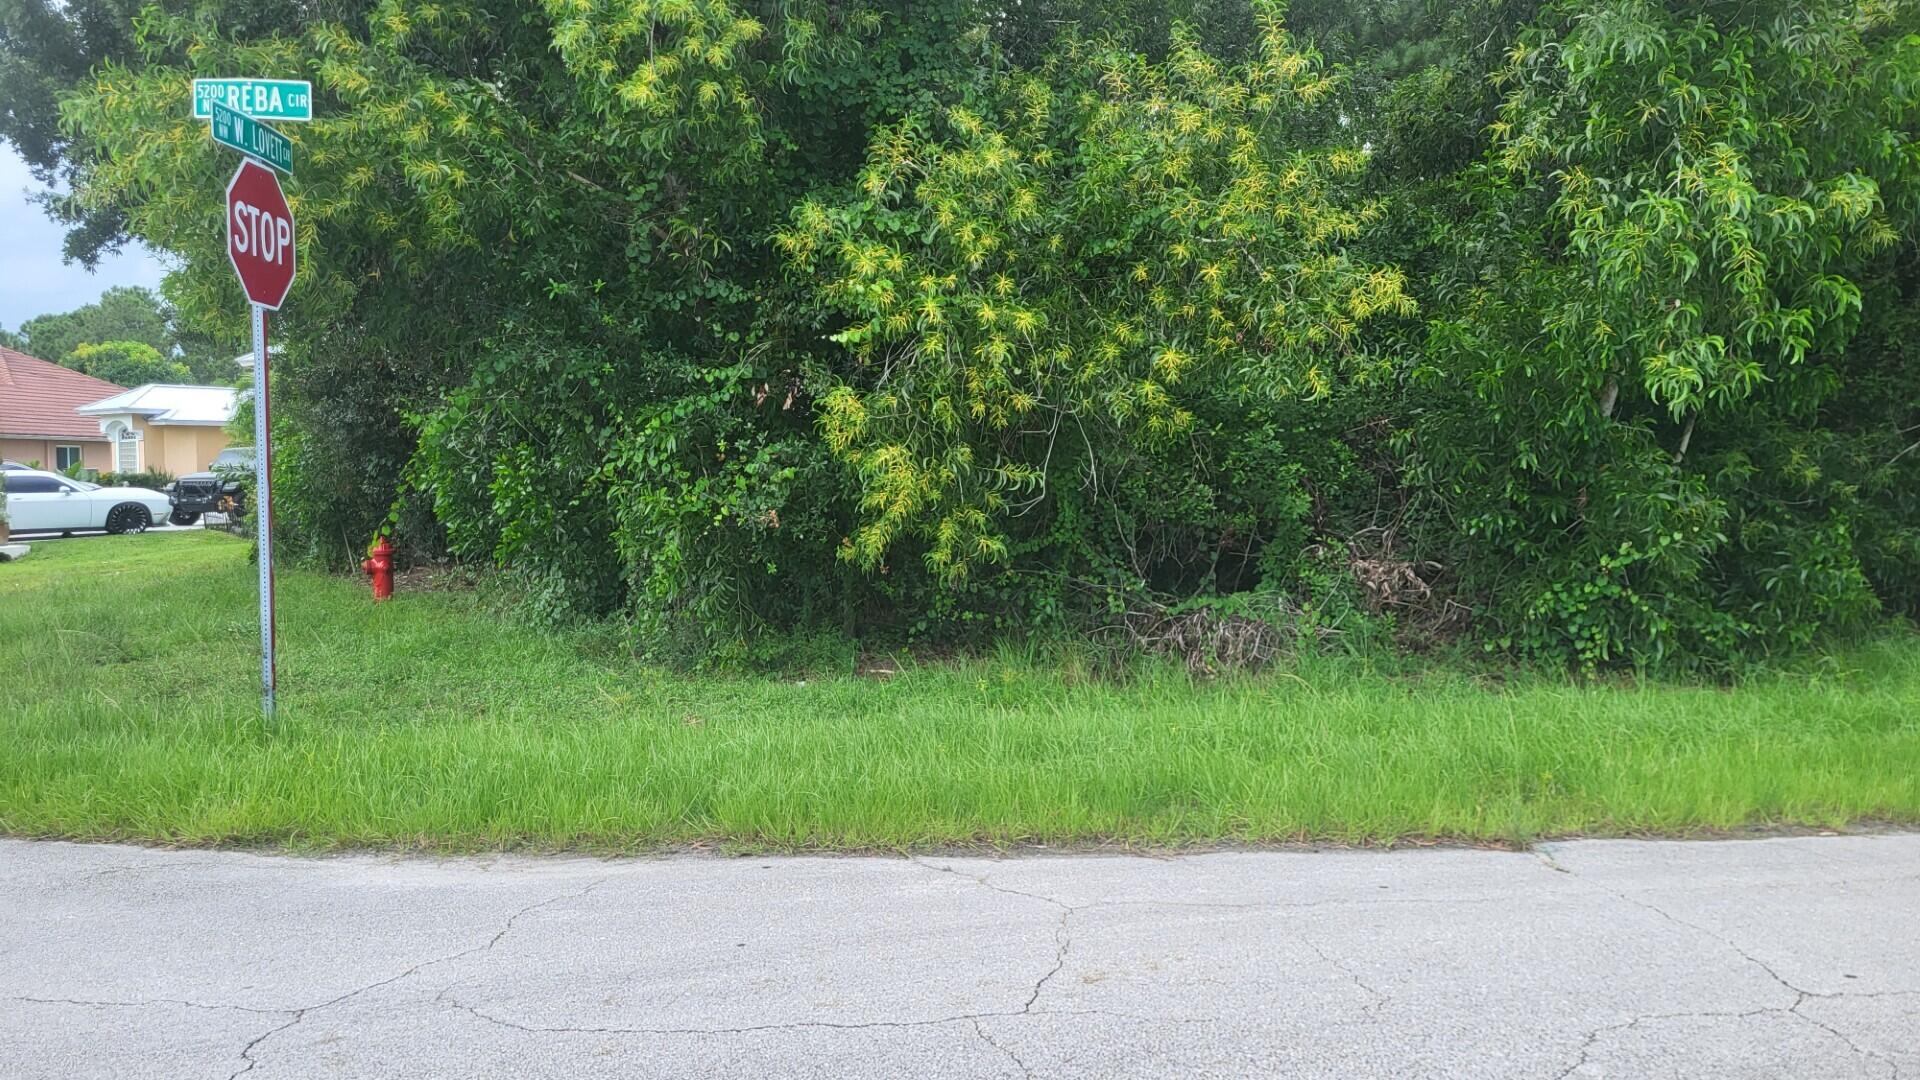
{"x":128,"y":710}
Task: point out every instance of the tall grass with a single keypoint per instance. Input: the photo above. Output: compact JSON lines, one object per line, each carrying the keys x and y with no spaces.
{"x":128,"y":709}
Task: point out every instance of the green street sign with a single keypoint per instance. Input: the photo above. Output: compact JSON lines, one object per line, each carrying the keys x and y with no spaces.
{"x":252,"y":138}
{"x":262,"y":99}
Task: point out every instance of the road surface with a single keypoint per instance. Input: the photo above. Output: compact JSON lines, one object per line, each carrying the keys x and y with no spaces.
{"x":1788,"y":957}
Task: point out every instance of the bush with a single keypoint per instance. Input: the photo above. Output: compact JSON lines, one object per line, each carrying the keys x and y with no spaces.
{"x":154,"y":479}
{"x":1582,"y":327}
{"x":1061,"y":280}
{"x":1630,"y":412}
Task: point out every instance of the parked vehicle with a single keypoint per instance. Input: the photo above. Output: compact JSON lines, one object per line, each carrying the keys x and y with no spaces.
{"x":222,"y":489}
{"x":14,"y":466}
{"x":40,"y":501}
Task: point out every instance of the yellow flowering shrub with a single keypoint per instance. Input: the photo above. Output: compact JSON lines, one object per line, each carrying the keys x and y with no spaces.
{"x":1028,"y":282}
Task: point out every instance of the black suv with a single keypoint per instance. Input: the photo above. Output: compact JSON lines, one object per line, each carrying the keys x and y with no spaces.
{"x":220,"y":490}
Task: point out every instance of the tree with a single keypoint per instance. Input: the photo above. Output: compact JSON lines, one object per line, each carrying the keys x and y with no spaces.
{"x":123,"y":313}
{"x":1094,"y":260}
{"x":721,"y":315}
{"x":490,"y":190}
{"x":46,"y":48}
{"x":129,"y":363}
{"x":50,"y":47}
{"x":1666,"y":256}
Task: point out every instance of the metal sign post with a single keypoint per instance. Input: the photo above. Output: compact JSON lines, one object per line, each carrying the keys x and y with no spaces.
{"x":263,"y":513}
{"x":260,"y":244}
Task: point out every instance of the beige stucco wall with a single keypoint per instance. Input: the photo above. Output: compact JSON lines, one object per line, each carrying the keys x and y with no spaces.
{"x":149,"y":450}
{"x":95,"y":454}
{"x":181,"y":449}
{"x":178,"y":448}
{"x":170,"y":448}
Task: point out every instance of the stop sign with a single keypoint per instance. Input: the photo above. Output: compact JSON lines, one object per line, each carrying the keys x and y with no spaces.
{"x":260,"y":234}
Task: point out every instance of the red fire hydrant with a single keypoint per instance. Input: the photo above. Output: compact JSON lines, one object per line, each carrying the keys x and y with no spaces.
{"x":379,"y":566}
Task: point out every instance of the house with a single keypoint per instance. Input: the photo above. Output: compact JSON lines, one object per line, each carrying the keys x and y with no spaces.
{"x":164,"y":427}
{"x":37,"y":418}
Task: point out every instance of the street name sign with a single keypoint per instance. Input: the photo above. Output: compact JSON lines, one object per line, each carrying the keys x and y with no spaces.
{"x":260,"y":234}
{"x":251,"y":137}
{"x":262,"y":99}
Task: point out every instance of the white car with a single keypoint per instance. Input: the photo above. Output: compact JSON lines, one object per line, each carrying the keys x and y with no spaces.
{"x":40,"y":501}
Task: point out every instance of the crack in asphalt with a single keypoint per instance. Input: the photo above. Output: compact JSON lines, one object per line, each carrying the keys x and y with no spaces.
{"x":1801,"y":995}
{"x":1063,"y":932}
{"x":146,"y":1002}
{"x":120,"y":868}
{"x":301,"y":1013}
{"x":1893,"y":1067}
{"x":980,"y":1029}
{"x":1547,"y":858}
{"x":1716,"y":936}
{"x":1372,"y":1009}
{"x":1379,"y":1000}
{"x":1593,"y":1037}
{"x":974,"y":1018}
{"x":1586,"y":1046}
{"x":1063,"y":942}
{"x":982,"y":881}
{"x":750,"y":1029}
{"x":246,"y":1052}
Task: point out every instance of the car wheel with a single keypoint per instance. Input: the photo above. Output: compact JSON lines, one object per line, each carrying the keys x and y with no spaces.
{"x":128,"y":517}
{"x":183,"y":517}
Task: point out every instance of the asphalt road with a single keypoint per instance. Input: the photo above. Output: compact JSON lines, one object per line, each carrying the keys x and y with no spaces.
{"x":1795,"y":957}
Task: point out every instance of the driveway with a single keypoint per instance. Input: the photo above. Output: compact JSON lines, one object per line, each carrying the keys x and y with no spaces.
{"x":84,"y":534}
{"x":1792,"y":957}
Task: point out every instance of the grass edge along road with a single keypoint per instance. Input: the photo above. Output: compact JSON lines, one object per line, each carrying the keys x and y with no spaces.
{"x":129,"y":711}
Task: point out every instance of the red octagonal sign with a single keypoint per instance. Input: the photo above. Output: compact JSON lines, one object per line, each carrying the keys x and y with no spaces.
{"x":260,"y":234}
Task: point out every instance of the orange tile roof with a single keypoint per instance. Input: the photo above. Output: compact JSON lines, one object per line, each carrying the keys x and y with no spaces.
{"x":38,"y":398}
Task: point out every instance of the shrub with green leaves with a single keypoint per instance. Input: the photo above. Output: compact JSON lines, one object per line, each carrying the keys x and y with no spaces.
{"x":1648,"y":325}
{"x":1104,"y":269}
{"x":1582,"y":327}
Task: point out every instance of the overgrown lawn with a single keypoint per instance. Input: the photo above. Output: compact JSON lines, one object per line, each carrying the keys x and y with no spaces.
{"x":129,"y":710}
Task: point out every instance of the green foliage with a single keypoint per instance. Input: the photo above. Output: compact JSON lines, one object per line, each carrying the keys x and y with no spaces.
{"x":130,"y":334}
{"x":1647,"y":314}
{"x":1719,"y":183}
{"x":1075,"y":269}
{"x":129,"y":363}
{"x":123,"y":313}
{"x":152,"y":479}
{"x":48,"y":48}
{"x":1584,"y":327}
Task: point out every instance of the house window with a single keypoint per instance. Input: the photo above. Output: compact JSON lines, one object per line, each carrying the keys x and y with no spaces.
{"x":65,"y":457}
{"x":129,"y":455}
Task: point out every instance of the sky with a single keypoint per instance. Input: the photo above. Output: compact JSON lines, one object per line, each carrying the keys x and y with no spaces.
{"x":33,"y":278}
